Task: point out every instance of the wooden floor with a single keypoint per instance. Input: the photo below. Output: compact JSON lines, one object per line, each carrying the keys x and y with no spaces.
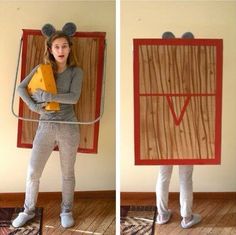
{"x":92,"y":216}
{"x":218,"y":217}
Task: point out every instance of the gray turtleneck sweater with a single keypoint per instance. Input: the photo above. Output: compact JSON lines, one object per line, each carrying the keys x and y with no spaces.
{"x":69,"y":84}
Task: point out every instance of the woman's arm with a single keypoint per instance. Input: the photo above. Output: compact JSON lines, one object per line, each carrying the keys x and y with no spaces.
{"x":23,"y":93}
{"x":71,"y":97}
{"x":22,"y":88}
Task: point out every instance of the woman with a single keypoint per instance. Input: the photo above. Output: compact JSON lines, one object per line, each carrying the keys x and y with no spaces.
{"x":68,"y":77}
{"x":186,"y":183}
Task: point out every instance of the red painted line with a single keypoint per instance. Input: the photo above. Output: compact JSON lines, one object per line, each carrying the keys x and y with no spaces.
{"x":81,"y":150}
{"x":218,"y":120}
{"x":99,"y":91}
{"x":177,"y":41}
{"x":178,"y":120}
{"x":101,"y":35}
{"x":189,"y":161}
{"x":21,"y":104}
{"x":177,"y":94}
{"x":136,"y":103}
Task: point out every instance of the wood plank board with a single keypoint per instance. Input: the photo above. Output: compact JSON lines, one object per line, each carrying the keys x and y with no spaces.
{"x":218,"y":215}
{"x":177,"y":101}
{"x":89,"y":48}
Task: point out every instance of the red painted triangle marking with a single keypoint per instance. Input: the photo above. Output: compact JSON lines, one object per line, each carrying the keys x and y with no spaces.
{"x":177,"y":119}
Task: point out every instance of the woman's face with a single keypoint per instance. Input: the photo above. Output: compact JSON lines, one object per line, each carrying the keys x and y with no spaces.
{"x":60,"y":50}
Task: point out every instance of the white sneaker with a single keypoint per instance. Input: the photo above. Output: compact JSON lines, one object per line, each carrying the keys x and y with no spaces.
{"x":22,"y":219}
{"x":196,"y":218}
{"x":67,"y":220}
{"x":164,"y":218}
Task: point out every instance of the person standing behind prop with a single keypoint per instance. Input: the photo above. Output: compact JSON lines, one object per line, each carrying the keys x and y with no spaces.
{"x":59,"y":53}
{"x":186,"y":183}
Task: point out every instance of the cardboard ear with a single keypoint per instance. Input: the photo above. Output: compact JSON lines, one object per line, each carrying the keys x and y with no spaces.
{"x":69,"y":29}
{"x":188,"y":35}
{"x":168,"y":35}
{"x":48,"y":30}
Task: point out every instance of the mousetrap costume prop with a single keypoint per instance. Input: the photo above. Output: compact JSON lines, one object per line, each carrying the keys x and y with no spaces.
{"x":177,"y":101}
{"x":90,"y":50}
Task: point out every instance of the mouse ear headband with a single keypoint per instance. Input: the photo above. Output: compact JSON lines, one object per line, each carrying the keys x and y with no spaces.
{"x":68,"y":29}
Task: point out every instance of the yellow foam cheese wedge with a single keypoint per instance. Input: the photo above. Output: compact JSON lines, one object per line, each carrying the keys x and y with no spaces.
{"x":44,"y":79}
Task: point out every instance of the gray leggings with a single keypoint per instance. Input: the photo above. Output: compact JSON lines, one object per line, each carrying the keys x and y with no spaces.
{"x":48,"y":135}
{"x":186,"y":189}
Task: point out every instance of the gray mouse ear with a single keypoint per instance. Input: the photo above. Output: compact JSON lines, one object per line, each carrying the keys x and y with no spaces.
{"x":168,"y":35}
{"x":48,"y":30}
{"x":69,"y":29}
{"x":188,"y":35}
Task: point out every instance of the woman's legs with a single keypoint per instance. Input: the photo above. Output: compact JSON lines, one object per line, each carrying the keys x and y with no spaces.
{"x":162,"y":189}
{"x":40,"y":154}
{"x":43,"y":145}
{"x":68,"y":144}
{"x":186,"y":197}
{"x":186,"y":190}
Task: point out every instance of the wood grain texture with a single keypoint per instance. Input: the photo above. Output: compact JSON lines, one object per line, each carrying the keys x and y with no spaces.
{"x":176,"y":102}
{"x":218,"y":213}
{"x":88,"y":52}
{"x":192,"y":138}
{"x":171,"y":69}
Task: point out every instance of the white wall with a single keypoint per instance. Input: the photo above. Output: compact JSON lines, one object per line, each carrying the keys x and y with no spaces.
{"x":206,"y":19}
{"x":93,"y":172}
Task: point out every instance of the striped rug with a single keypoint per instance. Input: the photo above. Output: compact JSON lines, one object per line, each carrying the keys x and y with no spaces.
{"x":137,"y":220}
{"x":33,"y":227}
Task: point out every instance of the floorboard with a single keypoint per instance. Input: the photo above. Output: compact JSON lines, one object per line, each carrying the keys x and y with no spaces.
{"x":218,"y":217}
{"x":92,"y":216}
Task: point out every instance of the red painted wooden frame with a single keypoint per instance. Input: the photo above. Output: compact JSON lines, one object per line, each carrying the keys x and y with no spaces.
{"x":218,"y":44}
{"x":97,"y":35}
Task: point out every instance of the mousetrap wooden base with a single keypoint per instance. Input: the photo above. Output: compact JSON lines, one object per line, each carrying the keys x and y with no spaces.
{"x":177,"y":101}
{"x":89,"y":48}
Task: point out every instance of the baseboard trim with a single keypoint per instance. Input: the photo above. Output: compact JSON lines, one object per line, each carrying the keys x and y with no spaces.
{"x":175,"y":195}
{"x":107,"y":194}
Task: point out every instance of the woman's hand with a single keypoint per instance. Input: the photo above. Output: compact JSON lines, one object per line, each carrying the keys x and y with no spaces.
{"x":40,"y":96}
{"x":38,"y":108}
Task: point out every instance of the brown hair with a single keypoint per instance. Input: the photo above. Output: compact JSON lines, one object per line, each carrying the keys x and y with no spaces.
{"x":49,"y":58}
